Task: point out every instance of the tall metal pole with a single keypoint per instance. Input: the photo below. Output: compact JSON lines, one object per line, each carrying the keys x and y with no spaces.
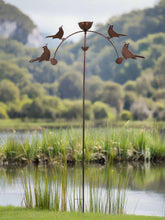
{"x":83,"y":133}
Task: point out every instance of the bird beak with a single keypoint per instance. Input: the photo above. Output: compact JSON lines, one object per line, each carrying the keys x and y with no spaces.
{"x":45,"y":46}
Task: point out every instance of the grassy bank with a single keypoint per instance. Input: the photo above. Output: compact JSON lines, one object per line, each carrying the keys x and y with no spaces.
{"x":26,"y":125}
{"x":101,"y":145}
{"x":11,"y":213}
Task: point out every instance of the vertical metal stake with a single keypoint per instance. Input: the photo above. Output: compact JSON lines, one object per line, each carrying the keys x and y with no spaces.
{"x":83,"y":134}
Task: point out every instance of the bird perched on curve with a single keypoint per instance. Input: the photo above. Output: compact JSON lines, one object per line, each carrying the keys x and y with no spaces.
{"x":128,"y":54}
{"x":44,"y":56}
{"x":112,"y":33}
{"x":58,"y":35}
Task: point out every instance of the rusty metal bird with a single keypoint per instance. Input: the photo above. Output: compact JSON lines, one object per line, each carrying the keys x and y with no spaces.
{"x":112,"y":33}
{"x":44,"y":56}
{"x":128,"y":54}
{"x":58,"y":35}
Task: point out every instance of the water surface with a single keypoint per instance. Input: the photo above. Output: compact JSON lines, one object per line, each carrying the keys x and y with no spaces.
{"x":141,"y":186}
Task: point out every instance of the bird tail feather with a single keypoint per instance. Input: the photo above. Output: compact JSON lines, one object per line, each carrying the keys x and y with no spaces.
{"x":140,"y":56}
{"x":122,"y":34}
{"x":33,"y":60}
{"x":49,"y":36}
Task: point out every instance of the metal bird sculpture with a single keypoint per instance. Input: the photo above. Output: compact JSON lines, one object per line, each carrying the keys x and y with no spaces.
{"x":58,"y":35}
{"x":112,"y":33}
{"x":128,"y":54}
{"x":44,"y":56}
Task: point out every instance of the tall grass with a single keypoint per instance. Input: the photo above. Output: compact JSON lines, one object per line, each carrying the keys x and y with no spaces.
{"x":61,"y":145}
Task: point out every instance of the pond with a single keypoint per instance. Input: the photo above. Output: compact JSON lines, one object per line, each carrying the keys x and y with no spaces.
{"x":131,"y":188}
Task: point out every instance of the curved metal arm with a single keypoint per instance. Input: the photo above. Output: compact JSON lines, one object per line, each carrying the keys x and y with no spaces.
{"x":64,"y":40}
{"x":107,"y":39}
{"x":87,"y":31}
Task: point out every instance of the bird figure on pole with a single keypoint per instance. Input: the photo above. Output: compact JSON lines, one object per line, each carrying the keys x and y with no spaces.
{"x":112,"y":33}
{"x":44,"y":56}
{"x":128,"y":54}
{"x":58,"y":35}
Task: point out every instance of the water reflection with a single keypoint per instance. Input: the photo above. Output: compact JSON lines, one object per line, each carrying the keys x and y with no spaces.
{"x":145,"y":186}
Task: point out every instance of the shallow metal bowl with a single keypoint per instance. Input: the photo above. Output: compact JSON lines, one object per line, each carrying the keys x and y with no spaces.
{"x":85,"y":25}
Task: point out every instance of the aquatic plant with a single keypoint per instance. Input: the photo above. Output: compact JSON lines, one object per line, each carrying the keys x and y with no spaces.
{"x":101,"y":145}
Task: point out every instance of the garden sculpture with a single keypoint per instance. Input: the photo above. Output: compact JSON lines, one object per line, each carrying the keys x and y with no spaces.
{"x":44,"y":56}
{"x":85,"y":26}
{"x":58,"y":35}
{"x":128,"y":54}
{"x":112,"y":33}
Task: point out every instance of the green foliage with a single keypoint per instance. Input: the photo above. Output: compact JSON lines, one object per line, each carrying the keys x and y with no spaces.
{"x":125,"y":115}
{"x":94,"y":88}
{"x":19,"y":76}
{"x":112,"y":95}
{"x":102,"y":110}
{"x":70,"y":85}
{"x":8,"y":91}
{"x":3,"y":113}
{"x":73,"y":110}
{"x":129,"y":99}
{"x":159,"y":72}
{"x":140,"y":110}
{"x":34,"y":90}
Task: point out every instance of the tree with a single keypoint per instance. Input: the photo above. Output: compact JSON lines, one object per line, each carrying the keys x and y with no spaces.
{"x":159,"y":73}
{"x":102,"y":110}
{"x":8,"y":91}
{"x":3,"y":113}
{"x":34,"y":109}
{"x":34,"y":90}
{"x":140,"y":110}
{"x":125,"y":115}
{"x":129,"y":99}
{"x":112,"y":95}
{"x":19,"y":76}
{"x":70,"y":85}
{"x":94,"y":88}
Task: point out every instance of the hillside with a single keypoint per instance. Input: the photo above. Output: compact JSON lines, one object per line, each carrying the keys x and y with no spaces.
{"x":18,"y":26}
{"x":133,"y":90}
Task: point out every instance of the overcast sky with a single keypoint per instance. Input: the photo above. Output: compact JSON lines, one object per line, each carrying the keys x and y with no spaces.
{"x":48,"y":15}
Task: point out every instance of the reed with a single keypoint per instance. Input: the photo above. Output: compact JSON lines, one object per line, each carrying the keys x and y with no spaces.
{"x":64,"y":145}
{"x":62,"y":191}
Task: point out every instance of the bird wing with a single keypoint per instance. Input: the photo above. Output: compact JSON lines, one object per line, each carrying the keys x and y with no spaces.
{"x":127,"y":53}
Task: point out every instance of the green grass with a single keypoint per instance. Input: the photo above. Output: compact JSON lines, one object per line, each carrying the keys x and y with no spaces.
{"x":12,"y":213}
{"x":39,"y":124}
{"x":114,"y":143}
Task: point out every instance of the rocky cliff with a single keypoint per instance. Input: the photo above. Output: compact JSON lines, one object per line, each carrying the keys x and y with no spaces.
{"x":18,"y":26}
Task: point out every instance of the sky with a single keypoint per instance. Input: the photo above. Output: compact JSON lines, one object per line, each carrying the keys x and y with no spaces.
{"x":48,"y":15}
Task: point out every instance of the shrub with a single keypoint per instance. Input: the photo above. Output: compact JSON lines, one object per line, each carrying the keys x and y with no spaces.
{"x":3,"y":113}
{"x":140,"y":110}
{"x":102,"y":110}
{"x":125,"y":115}
{"x":130,"y":86}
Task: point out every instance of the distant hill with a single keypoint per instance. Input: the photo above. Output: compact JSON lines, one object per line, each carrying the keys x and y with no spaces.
{"x":139,"y":25}
{"x":18,"y":26}
{"x":133,"y":90}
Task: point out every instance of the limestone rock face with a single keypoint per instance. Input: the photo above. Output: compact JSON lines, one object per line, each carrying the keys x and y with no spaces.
{"x":34,"y":39}
{"x":15,"y":25}
{"x":7,"y":28}
{"x":10,"y":29}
